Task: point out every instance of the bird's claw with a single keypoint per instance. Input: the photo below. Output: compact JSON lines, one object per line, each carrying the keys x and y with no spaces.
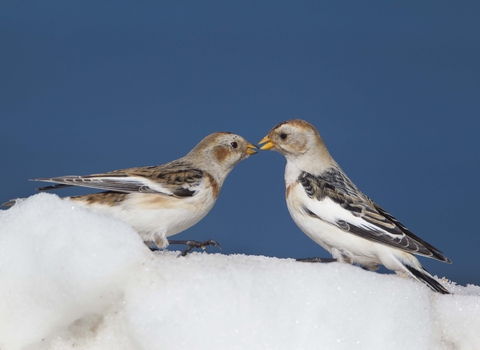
{"x":194,"y":244}
{"x":317,"y":260}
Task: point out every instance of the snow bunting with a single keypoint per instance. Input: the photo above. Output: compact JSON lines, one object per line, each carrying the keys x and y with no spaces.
{"x":160,"y":201}
{"x":334,"y":213}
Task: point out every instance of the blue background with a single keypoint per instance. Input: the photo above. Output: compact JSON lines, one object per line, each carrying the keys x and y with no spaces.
{"x":393,"y":87}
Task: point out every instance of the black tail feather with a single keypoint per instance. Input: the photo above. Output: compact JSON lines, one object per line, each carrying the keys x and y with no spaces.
{"x":427,"y":279}
{"x":52,"y":187}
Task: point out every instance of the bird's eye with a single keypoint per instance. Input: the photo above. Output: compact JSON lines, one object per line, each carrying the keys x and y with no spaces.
{"x":234,"y":144}
{"x":283,"y":136}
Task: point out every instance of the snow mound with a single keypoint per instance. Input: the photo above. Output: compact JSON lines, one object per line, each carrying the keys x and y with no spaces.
{"x":74,"y":279}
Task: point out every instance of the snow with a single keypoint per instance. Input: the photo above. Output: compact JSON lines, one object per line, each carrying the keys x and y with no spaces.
{"x":74,"y":279}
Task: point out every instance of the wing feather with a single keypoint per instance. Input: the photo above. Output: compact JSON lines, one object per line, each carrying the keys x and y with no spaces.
{"x":338,"y":202}
{"x":173,"y":181}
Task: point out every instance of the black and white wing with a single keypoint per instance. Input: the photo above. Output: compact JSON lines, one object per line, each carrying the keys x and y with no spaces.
{"x":336,"y":200}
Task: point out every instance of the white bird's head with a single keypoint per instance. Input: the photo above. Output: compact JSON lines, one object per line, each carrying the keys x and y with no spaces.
{"x":221,"y":151}
{"x":300,"y":143}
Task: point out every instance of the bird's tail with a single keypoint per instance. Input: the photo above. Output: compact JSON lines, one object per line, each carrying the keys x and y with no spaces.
{"x":423,"y":276}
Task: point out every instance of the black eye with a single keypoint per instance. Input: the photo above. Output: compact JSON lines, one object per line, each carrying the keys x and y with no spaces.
{"x":283,"y":136}
{"x":234,"y":144}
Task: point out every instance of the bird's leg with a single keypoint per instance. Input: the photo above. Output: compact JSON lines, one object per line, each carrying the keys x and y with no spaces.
{"x":195,"y":244}
{"x":317,"y":260}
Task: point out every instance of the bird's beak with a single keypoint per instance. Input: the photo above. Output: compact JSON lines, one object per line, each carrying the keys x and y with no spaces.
{"x":251,"y":149}
{"x":267,"y":143}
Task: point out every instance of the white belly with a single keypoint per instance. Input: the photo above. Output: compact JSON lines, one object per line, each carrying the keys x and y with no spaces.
{"x":156,"y":217}
{"x":333,"y":239}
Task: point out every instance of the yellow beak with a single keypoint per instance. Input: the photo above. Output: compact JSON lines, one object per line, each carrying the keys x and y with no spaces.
{"x":267,"y":143}
{"x":251,"y":149}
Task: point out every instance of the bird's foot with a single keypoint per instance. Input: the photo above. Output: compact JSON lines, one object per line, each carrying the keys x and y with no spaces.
{"x":152,"y":246}
{"x":195,"y":244}
{"x":317,"y":260}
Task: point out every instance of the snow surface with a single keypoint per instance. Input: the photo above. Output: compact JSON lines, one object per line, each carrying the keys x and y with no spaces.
{"x":74,"y":279}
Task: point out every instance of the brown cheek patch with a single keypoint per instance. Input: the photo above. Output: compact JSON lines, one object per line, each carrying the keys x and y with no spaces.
{"x":300,"y":146}
{"x":220,"y":153}
{"x":214,"y":186}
